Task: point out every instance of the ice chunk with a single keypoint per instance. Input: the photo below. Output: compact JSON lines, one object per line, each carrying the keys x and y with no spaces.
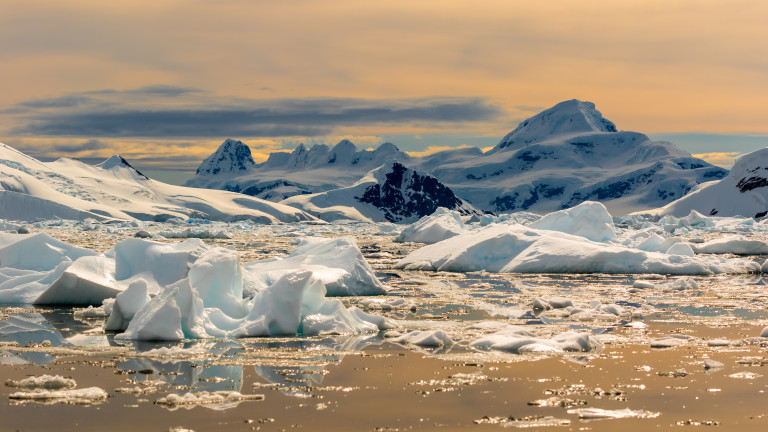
{"x":599,"y":413}
{"x":24,"y":286}
{"x":337,"y":262}
{"x":425,"y":338}
{"x":39,"y":252}
{"x":589,"y":219}
{"x":46,"y":382}
{"x":733,"y":245}
{"x":218,"y":279}
{"x":87,"y":281}
{"x":515,"y":248}
{"x":85,"y":396}
{"x":174,"y":314}
{"x":681,"y":248}
{"x":295,"y":304}
{"x":126,"y":304}
{"x":712,"y":364}
{"x":440,"y":225}
{"x":517,"y":341}
{"x":161,"y":262}
{"x":220,"y":399}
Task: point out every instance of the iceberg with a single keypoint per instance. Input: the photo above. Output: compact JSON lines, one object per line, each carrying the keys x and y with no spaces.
{"x":515,"y":248}
{"x":440,"y":225}
{"x":589,"y":219}
{"x":209,"y":304}
{"x":337,"y":262}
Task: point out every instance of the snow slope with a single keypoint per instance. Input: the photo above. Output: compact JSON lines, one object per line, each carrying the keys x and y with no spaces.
{"x":69,"y":189}
{"x":744,"y":192}
{"x":554,"y":160}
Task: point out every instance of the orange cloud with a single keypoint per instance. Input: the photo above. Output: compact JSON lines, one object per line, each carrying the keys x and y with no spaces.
{"x":723,"y":159}
{"x":434,"y":149}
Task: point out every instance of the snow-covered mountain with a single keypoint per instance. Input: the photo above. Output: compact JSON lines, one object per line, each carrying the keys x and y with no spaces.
{"x":390,"y":192}
{"x":303,"y":171}
{"x":231,"y":157}
{"x":556,"y":159}
{"x":744,"y":192}
{"x":70,"y":189}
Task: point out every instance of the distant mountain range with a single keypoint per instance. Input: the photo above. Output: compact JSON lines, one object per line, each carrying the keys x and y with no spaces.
{"x":113,"y":190}
{"x":556,"y":159}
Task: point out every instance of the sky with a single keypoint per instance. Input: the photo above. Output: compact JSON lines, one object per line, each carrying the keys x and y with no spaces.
{"x":164,"y":82}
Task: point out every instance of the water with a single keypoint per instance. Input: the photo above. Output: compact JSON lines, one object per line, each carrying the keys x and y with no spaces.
{"x":367,"y":382}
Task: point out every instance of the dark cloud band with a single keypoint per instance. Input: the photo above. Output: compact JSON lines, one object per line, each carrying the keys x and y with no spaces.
{"x":86,"y":116}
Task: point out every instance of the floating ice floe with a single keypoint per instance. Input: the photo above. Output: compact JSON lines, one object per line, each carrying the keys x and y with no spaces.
{"x":337,"y":262}
{"x":516,"y":248}
{"x":440,"y":225}
{"x":425,"y":339}
{"x":599,"y":413}
{"x":45,"y":382}
{"x":517,"y":340}
{"x":219,"y":399}
{"x":84,"y":396}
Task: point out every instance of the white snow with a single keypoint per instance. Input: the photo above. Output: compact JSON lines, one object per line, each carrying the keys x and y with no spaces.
{"x":69,"y":189}
{"x":741,"y":193}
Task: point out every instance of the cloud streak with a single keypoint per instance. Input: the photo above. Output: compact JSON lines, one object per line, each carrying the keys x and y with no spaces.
{"x":158,"y":112}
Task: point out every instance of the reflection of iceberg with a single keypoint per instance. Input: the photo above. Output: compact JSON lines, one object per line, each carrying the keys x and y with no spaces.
{"x":195,"y":374}
{"x":29,"y":329}
{"x":307,"y":368}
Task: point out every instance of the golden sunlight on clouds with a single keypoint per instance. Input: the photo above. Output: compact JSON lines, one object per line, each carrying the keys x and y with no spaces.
{"x":650,"y":66}
{"x":434,"y":149}
{"x":723,"y":159}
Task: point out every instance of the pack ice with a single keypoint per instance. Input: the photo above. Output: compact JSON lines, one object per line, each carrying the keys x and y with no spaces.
{"x":577,"y":240}
{"x":174,"y":291}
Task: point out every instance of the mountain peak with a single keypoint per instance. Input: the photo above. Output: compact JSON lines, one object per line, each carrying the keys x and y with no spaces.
{"x":568,"y":117}
{"x":232,"y":156}
{"x":118,"y":161}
